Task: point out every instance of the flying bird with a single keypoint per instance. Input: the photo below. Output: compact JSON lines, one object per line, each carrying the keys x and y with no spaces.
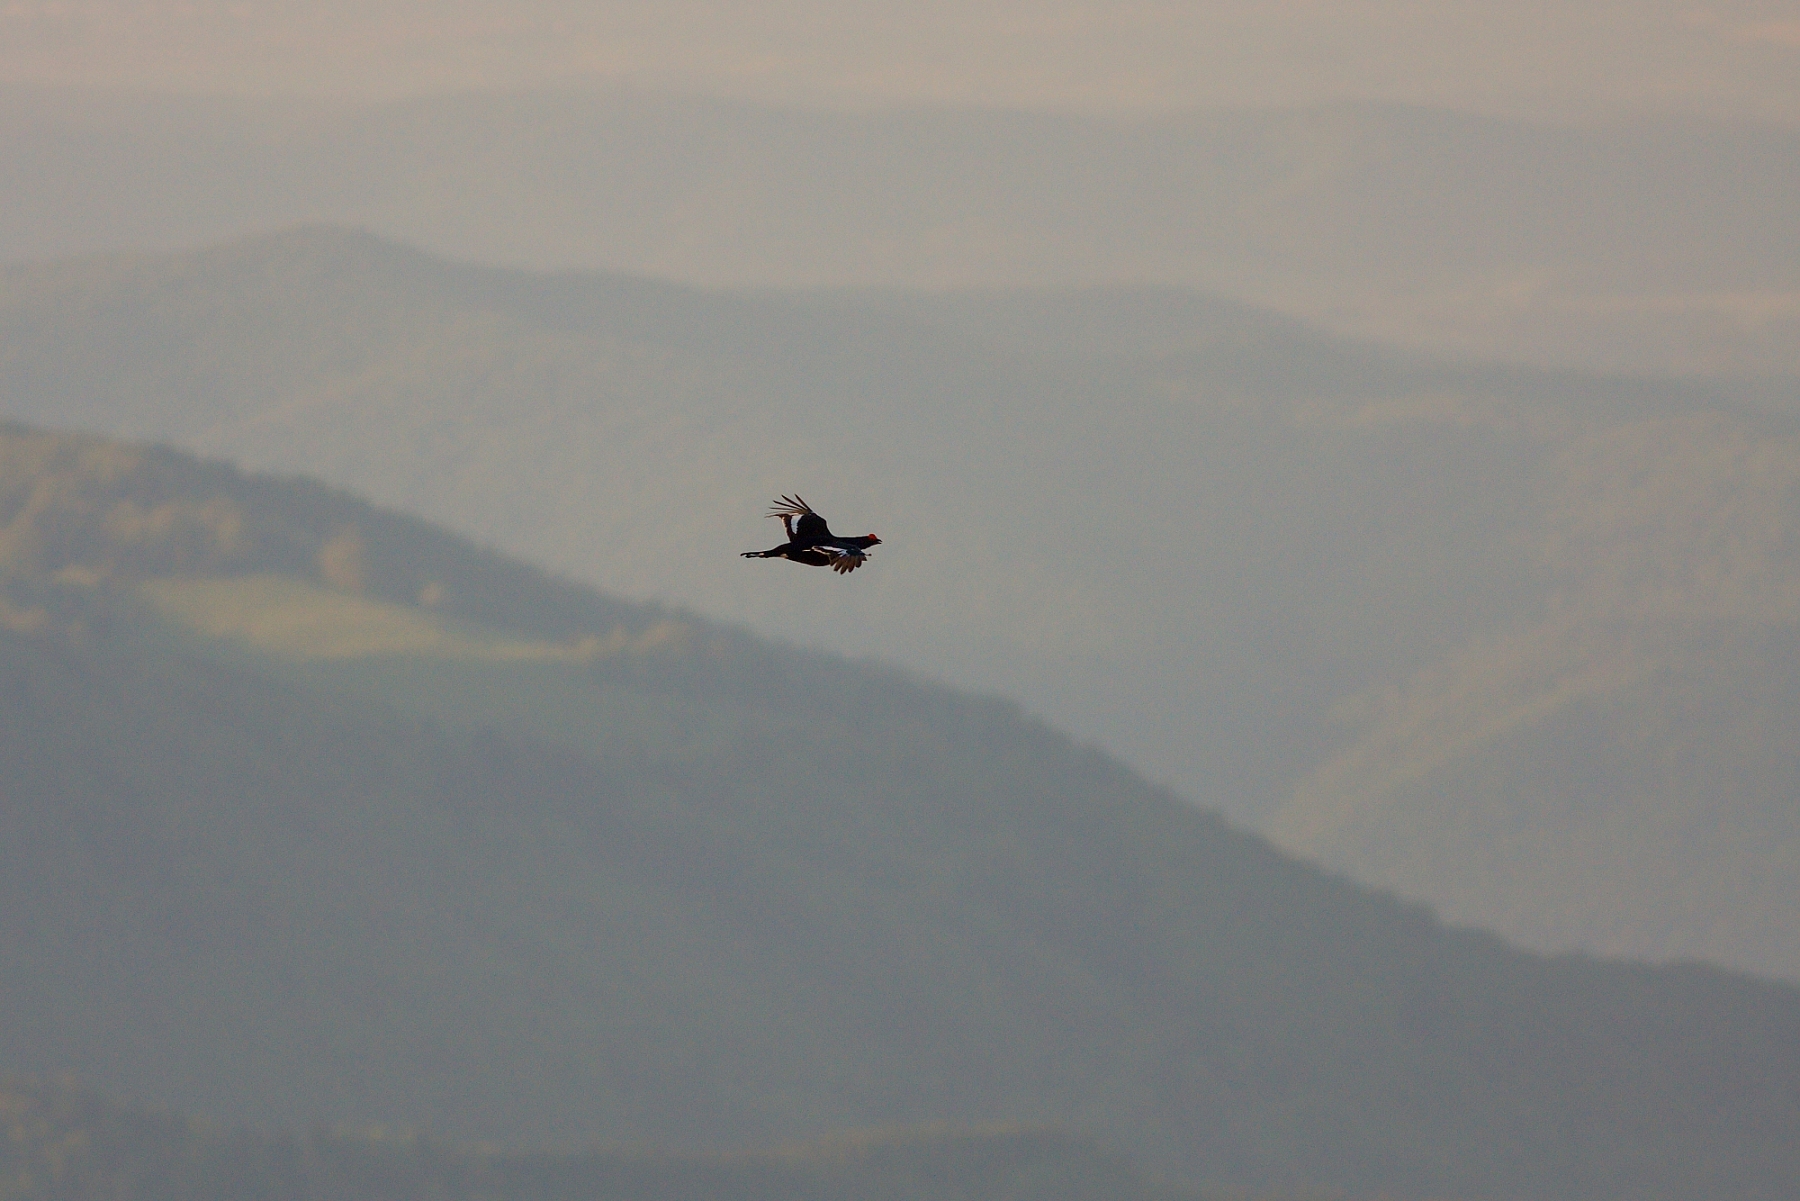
{"x":810,"y":540}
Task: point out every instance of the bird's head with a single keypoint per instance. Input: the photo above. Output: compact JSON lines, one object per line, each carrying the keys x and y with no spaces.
{"x":871,"y":539}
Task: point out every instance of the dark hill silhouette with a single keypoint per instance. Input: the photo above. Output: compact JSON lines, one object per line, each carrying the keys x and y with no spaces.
{"x":291,"y":833}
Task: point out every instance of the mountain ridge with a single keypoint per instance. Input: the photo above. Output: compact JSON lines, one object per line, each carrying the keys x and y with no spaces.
{"x":1477,"y":236}
{"x":1213,"y":543}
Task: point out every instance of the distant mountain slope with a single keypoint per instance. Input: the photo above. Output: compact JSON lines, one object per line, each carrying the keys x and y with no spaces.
{"x":66,"y":1145}
{"x":1660,"y":241}
{"x":1637,"y":740}
{"x":242,"y":874}
{"x":1204,"y":535}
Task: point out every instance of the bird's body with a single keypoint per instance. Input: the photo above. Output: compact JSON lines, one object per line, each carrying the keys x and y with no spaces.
{"x":810,"y":540}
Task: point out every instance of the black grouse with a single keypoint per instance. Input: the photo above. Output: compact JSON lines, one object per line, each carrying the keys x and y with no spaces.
{"x":810,"y":540}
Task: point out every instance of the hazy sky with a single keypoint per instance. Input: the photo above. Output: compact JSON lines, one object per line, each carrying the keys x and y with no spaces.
{"x":1524,"y":56}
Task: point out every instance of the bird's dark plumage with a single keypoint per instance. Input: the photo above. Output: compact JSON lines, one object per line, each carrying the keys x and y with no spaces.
{"x":810,"y":540}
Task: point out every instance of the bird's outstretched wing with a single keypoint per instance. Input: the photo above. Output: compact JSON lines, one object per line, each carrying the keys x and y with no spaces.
{"x":804,"y":526}
{"x":844,"y":559}
{"x":789,"y":506}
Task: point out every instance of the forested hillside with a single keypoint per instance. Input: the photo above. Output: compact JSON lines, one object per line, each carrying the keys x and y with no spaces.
{"x":317,"y":813}
{"x":64,"y":1144}
{"x":1458,"y":630}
